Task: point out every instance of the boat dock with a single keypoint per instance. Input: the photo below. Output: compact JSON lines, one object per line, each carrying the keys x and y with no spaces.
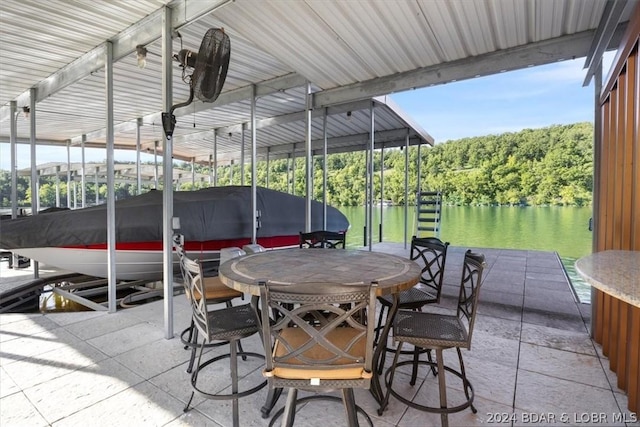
{"x":20,"y":291}
{"x":531,"y":362}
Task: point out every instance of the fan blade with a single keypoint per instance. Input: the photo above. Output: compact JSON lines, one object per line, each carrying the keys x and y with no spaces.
{"x":211,"y":66}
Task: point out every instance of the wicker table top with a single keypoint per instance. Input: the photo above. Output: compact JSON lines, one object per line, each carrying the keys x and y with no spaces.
{"x":392,"y":272}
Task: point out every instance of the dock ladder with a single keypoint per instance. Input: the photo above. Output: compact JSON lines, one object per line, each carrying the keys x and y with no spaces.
{"x":429,"y":209}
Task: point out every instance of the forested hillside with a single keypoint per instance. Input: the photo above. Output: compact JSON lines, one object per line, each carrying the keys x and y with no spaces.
{"x":552,"y":165}
{"x":547,"y":166}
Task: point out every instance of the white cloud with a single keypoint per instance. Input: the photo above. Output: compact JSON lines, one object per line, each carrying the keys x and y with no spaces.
{"x":515,"y":94}
{"x":565,"y":72}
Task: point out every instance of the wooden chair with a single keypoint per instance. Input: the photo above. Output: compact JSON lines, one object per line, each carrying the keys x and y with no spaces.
{"x":333,"y":352}
{"x":439,"y":332}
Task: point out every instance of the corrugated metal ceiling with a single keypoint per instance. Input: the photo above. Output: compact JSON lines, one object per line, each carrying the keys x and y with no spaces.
{"x":38,"y":38}
{"x":348,"y":50}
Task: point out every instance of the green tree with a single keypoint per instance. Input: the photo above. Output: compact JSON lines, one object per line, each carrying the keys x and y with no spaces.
{"x":551,"y":165}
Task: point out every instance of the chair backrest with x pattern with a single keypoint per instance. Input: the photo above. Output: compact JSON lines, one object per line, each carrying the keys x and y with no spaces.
{"x":470,"y":283}
{"x":310,"y":240}
{"x":341,"y":344}
{"x":333,"y":240}
{"x":430,"y":252}
{"x":323,"y":239}
{"x":193,"y":286}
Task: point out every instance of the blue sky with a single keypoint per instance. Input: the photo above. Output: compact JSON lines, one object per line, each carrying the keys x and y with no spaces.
{"x":507,"y":102}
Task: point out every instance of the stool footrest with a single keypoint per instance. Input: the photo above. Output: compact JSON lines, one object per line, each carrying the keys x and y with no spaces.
{"x":438,"y":410}
{"x":239,"y":394}
{"x":280,"y":411}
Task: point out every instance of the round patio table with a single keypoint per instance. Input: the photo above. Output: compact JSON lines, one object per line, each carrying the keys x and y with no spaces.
{"x":287,"y":266}
{"x":350,"y":267}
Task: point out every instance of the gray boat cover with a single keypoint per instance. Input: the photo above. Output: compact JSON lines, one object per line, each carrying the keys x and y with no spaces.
{"x":217,"y":213}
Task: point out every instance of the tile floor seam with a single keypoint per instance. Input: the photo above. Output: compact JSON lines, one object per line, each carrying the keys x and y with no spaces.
{"x":84,"y":408}
{"x":576,"y":298}
{"x":68,"y":372}
{"x":568,"y":380}
{"x":522,"y":313}
{"x":611,"y":386}
{"x":593,"y":344}
{"x":35,"y":408}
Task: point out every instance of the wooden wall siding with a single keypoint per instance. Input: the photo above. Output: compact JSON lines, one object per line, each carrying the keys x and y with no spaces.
{"x":618,"y":216}
{"x":616,"y":324}
{"x":618,"y":331}
{"x":635,"y":225}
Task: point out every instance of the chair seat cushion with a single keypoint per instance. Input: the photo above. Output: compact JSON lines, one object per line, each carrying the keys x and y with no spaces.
{"x":214,"y":290}
{"x":330,"y":369}
{"x":429,"y":330}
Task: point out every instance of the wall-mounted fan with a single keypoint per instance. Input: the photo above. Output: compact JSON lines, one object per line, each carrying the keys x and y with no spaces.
{"x":209,"y":66}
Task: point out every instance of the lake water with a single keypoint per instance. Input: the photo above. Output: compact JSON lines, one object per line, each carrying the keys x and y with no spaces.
{"x":561,"y":229}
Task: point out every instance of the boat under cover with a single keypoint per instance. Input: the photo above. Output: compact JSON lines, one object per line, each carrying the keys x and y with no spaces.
{"x":210,"y":219}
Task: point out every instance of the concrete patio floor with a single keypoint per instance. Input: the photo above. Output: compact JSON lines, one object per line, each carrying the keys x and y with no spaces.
{"x":531,"y":363}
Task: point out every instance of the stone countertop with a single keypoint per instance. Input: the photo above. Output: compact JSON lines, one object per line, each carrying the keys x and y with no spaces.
{"x":615,"y":272}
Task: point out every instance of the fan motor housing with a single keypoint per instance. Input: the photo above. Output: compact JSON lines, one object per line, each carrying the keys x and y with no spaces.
{"x":187,"y":58}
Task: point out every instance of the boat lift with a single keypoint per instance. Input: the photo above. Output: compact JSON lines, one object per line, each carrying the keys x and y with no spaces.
{"x":78,"y":288}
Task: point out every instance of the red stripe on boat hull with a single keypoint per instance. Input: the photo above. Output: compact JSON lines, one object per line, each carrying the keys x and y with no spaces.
{"x":211,"y":245}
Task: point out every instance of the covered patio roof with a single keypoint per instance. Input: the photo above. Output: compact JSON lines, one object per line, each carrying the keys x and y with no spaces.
{"x":351,"y":54}
{"x":73,"y":65}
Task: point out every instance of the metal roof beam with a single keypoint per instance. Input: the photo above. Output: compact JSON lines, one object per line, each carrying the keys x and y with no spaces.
{"x":297,"y":116}
{"x":611,"y":15}
{"x":5,"y":139}
{"x":65,"y":142}
{"x":380,"y":136}
{"x":124,"y":43}
{"x":267,"y":87}
{"x":544,"y":52}
{"x":276,"y":121}
{"x":383,"y":137}
{"x":284,"y":151}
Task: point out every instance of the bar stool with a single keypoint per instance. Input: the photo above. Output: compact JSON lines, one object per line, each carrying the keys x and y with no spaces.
{"x":323,"y":239}
{"x":224,"y":326}
{"x":215,"y":292}
{"x":333,"y":355}
{"x":431,"y":253}
{"x":434,"y":331}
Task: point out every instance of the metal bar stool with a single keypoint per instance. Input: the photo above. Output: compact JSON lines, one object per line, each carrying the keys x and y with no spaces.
{"x":224,"y":326}
{"x":314,"y":239}
{"x":334,"y":354}
{"x":323,"y":239}
{"x":439,"y":332}
{"x":215,"y":292}
{"x":431,"y":253}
